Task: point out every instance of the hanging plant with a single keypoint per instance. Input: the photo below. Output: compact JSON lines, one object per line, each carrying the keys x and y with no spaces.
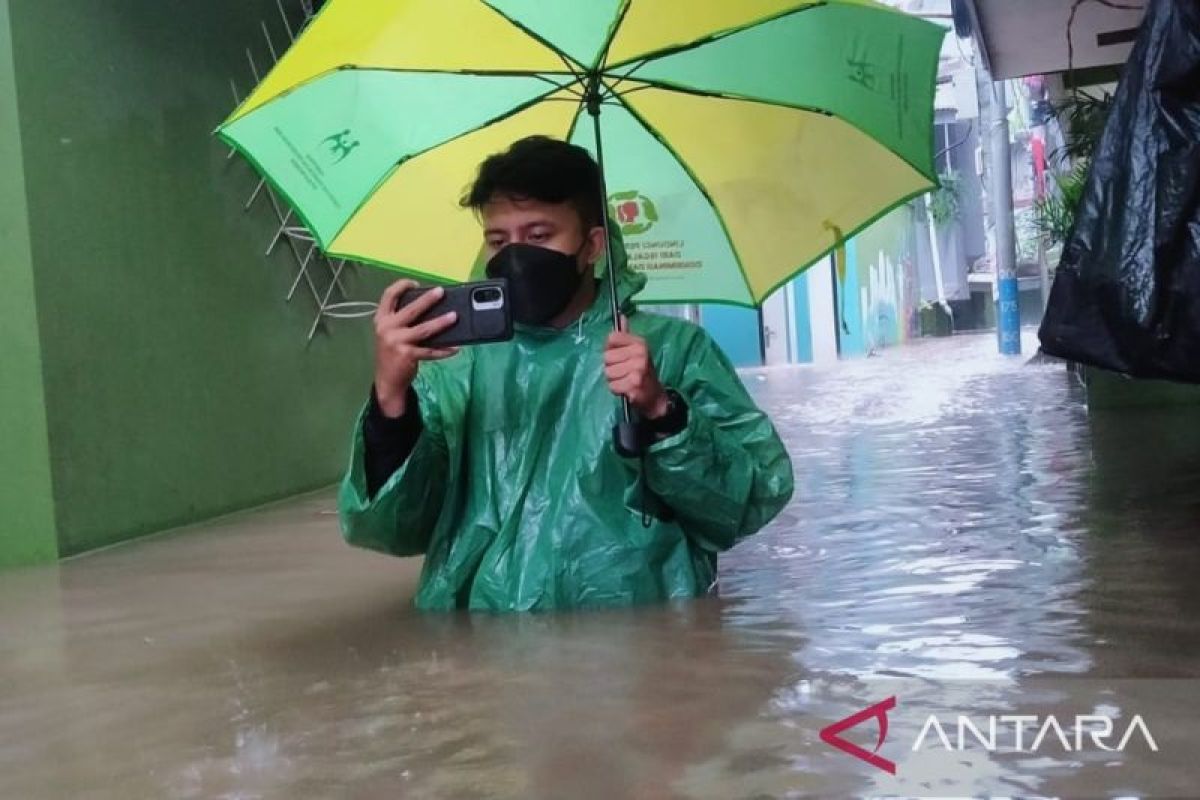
{"x":1055,"y":213}
{"x":1083,"y":117}
{"x":943,"y":201}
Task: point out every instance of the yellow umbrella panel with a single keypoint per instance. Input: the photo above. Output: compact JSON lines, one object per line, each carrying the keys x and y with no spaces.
{"x":736,"y":136}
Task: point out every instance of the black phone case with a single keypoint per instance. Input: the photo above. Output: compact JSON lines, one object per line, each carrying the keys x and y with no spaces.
{"x":474,"y":325}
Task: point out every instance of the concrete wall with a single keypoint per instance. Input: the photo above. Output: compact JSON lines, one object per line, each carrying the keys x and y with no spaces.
{"x":879,"y":297}
{"x":970,"y":196}
{"x":27,"y":530}
{"x":177,"y":382}
{"x":876,"y":302}
{"x":737,"y":331}
{"x":802,"y":332}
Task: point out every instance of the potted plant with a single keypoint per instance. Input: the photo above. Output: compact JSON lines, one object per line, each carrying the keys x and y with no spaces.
{"x":934,"y":319}
{"x":943,"y":201}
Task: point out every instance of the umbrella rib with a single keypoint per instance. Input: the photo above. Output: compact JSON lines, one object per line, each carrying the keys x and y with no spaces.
{"x":671,"y":50}
{"x":512,"y":112}
{"x":656,"y":83}
{"x":634,"y":90}
{"x":620,"y":97}
{"x":650,"y":129}
{"x":483,"y":73}
{"x":612,"y":35}
{"x":566,"y":59}
{"x":574,"y":123}
{"x":848,"y":235}
{"x":624,"y":77}
{"x":578,"y":75}
{"x":566,"y":87}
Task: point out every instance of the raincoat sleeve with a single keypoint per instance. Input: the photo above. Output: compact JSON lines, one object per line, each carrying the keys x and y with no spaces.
{"x":399,"y":518}
{"x":726,"y":474}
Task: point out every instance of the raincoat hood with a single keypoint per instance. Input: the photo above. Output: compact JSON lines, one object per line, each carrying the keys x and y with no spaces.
{"x":629,"y":281}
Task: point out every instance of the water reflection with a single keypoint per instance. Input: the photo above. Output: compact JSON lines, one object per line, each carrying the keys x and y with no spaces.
{"x":963,"y":536}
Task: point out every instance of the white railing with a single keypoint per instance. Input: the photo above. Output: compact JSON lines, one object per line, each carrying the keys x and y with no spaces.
{"x":315,"y":271}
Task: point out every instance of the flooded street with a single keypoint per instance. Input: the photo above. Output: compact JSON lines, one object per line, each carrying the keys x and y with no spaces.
{"x":963,"y":537}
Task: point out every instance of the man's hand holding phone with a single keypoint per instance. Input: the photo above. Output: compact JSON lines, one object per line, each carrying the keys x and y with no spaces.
{"x":398,"y":348}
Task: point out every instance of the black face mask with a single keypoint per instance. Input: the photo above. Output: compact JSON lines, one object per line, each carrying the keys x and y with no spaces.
{"x":541,"y":281}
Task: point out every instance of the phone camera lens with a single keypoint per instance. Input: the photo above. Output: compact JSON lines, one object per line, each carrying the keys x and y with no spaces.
{"x":487,"y":295}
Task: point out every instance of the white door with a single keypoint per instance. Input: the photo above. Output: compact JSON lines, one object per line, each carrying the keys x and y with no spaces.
{"x":821,"y":313}
{"x":777,"y":329}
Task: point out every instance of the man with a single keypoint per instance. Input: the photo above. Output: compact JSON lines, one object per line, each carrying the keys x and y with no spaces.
{"x":498,"y":464}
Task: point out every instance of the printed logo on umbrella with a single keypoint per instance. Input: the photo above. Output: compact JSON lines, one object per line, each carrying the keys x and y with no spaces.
{"x":340,"y":145}
{"x":633,"y":211}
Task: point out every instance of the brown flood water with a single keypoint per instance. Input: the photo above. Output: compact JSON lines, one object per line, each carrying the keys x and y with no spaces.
{"x":963,"y":537}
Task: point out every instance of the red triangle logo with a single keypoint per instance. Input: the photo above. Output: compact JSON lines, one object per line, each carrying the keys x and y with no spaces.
{"x":831,"y":734}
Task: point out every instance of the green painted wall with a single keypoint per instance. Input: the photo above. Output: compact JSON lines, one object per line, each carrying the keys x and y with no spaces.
{"x":178,"y":383}
{"x":1108,"y":391}
{"x":26,"y":506}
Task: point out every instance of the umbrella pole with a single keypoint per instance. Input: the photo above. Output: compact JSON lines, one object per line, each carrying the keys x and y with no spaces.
{"x":612,"y":273}
{"x":629,"y":435}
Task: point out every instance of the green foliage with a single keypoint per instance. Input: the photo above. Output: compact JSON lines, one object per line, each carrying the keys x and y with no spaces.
{"x":943,"y":201}
{"x":1083,"y":116}
{"x":1055,"y":213}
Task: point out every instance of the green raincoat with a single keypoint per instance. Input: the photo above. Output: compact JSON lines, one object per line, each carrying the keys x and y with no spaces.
{"x":519,"y":501}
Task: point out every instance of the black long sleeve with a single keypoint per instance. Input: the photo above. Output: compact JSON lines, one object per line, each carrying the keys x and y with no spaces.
{"x":388,"y":441}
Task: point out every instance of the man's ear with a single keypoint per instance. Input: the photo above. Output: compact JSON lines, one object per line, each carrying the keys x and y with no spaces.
{"x":596,"y":245}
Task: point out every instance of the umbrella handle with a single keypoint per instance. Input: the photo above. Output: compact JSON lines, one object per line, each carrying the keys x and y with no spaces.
{"x":630,"y":437}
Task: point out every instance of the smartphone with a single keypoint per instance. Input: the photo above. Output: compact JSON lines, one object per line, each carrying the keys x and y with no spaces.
{"x":484,"y":313}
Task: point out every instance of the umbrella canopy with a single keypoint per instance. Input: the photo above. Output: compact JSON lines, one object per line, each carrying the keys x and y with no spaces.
{"x":739,"y":138}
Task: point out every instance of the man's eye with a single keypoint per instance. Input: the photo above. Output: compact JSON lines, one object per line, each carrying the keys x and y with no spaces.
{"x":539,"y":236}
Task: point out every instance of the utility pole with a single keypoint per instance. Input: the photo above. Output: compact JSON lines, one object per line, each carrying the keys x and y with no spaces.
{"x":993,"y":111}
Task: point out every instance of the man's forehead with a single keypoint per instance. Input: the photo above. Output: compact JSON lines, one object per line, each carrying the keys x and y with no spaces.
{"x":521,"y":212}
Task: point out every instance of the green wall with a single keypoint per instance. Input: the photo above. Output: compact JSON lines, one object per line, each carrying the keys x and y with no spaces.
{"x":1109,"y":391}
{"x":178,"y":383}
{"x":26,"y":507}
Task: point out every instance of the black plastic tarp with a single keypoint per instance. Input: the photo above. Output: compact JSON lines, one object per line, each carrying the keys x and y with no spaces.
{"x":1126,"y":296}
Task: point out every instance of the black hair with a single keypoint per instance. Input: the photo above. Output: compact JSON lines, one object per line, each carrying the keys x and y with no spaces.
{"x":541,"y":168}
